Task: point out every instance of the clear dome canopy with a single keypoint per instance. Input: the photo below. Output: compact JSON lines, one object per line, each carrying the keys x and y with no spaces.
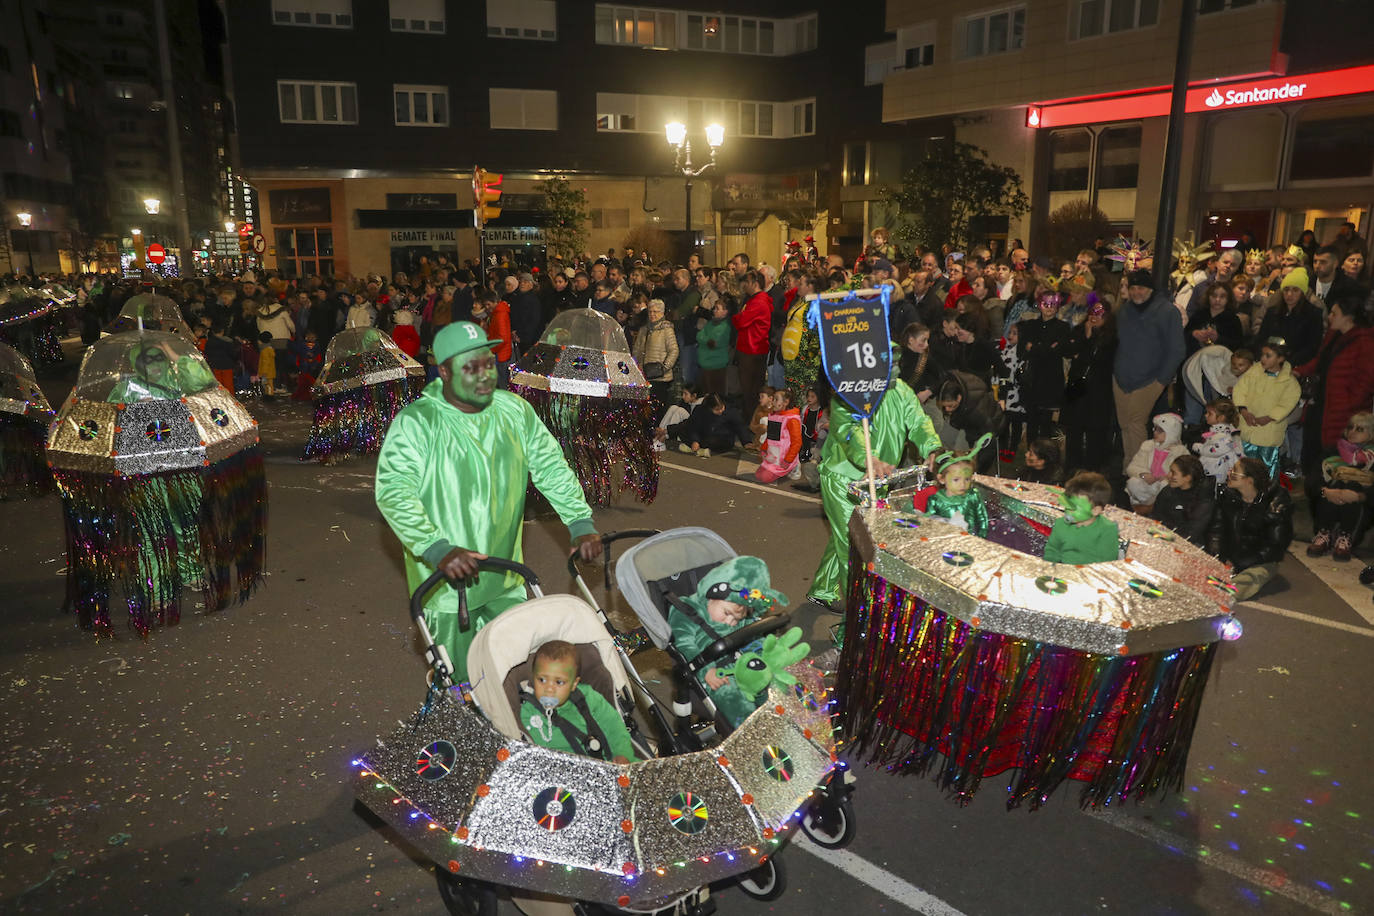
{"x":357,"y":340}
{"x":14,"y":363}
{"x":585,"y":328}
{"x":136,"y":366}
{"x":152,"y":307}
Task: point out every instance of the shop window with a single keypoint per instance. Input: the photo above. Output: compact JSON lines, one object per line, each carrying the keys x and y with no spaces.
{"x":536,"y":19}
{"x":1243,"y":149}
{"x":1070,"y":160}
{"x":1332,"y":143}
{"x":305,"y":252}
{"x":417,"y":16}
{"x":995,"y":32}
{"x":1118,"y":157}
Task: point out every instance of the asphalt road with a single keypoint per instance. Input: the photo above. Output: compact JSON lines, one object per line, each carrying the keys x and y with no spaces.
{"x":206,"y":769}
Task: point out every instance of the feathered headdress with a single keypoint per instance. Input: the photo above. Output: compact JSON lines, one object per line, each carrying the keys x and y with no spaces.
{"x":1132,"y":254}
{"x":1190,"y":249}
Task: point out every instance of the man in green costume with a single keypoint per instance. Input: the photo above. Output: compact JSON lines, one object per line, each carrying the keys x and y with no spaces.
{"x":898,"y":420}
{"x":451,"y":482}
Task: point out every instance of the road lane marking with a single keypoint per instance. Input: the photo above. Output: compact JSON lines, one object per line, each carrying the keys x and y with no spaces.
{"x":1308,"y":618}
{"x":789,"y":493}
{"x":1339,"y":577}
{"x":1225,"y":862}
{"x":880,"y":879}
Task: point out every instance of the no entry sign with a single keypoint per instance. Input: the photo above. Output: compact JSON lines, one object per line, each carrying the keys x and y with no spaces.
{"x":156,"y":253}
{"x":855,"y":348}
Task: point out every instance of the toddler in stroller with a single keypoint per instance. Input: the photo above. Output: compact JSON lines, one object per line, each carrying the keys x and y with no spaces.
{"x":564,"y":714}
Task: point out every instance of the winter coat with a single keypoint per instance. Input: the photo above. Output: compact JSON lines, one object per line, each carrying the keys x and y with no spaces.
{"x":526,"y":317}
{"x":1042,"y":346}
{"x":713,"y":344}
{"x":1346,"y":386}
{"x":1301,"y":327}
{"x":277,"y":322}
{"x":1155,"y":347}
{"x":1227,"y":325}
{"x":656,"y":343}
{"x":752,"y":323}
{"x":498,"y":328}
{"x":978,"y":412}
{"x":361,"y":315}
{"x":1088,"y":402}
{"x":1143,"y":460}
{"x":1249,"y":534}
{"x":1189,"y":512}
{"x":1266,"y":395}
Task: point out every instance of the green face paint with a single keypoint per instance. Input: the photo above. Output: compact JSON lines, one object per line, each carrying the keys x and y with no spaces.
{"x":1077,"y":509}
{"x":472,"y":382}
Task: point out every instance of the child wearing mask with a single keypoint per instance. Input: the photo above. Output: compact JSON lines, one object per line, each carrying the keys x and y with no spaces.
{"x":1084,"y":534}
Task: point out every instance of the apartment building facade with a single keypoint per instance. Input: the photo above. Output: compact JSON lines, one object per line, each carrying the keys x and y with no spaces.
{"x":359,"y":123}
{"x":1279,"y":135}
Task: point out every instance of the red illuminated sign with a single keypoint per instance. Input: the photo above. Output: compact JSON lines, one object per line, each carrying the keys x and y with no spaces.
{"x":1205,"y":97}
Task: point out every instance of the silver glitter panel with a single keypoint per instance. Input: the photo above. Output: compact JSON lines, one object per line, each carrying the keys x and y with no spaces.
{"x":728,"y":824}
{"x":371,"y":367}
{"x":82,"y":436}
{"x":1163,"y":594}
{"x":225,"y":425}
{"x":581,"y":371}
{"x":21,"y":395}
{"x":156,"y":435}
{"x":773,"y":762}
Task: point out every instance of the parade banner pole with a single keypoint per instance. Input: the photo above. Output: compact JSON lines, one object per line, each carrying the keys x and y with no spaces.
{"x":868,"y":453}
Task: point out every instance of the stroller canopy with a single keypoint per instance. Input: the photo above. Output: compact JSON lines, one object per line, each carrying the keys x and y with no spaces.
{"x":671,"y":561}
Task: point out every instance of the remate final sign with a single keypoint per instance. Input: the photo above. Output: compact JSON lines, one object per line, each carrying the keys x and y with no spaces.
{"x":1210,"y":96}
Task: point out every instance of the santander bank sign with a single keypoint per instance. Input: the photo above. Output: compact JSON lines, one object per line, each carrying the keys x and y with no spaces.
{"x":1254,"y":96}
{"x":1210,"y":96}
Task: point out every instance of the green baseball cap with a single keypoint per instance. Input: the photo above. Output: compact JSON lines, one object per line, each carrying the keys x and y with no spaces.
{"x":458,"y":338}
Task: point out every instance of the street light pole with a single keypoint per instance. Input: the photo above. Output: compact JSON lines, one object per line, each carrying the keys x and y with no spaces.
{"x":677,"y":138}
{"x":26,"y":220}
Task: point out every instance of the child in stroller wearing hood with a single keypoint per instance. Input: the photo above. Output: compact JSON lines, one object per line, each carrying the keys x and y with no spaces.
{"x":734,"y":594}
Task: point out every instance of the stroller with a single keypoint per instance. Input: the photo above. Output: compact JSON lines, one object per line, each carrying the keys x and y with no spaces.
{"x":461,"y":782}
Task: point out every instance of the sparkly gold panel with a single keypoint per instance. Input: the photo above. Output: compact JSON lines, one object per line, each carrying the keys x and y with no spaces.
{"x":1164,"y":594}
{"x":82,"y":436}
{"x":224,"y":424}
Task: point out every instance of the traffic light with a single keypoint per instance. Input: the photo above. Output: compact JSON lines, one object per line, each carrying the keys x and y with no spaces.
{"x":486,"y":195}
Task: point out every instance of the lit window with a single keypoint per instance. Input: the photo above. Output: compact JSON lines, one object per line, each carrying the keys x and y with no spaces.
{"x":537,"y":19}
{"x":994,"y":33}
{"x":317,"y":103}
{"x":421,"y":106}
{"x":523,"y":109}
{"x":332,"y":14}
{"x":417,"y":16}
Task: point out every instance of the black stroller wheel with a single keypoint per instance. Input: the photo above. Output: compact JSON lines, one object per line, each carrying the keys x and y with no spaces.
{"x":463,"y":897}
{"x":767,"y":882}
{"x":830,"y":823}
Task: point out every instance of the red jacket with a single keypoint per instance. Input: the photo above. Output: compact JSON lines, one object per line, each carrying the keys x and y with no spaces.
{"x":962,"y":288}
{"x":1349,"y":384}
{"x":753,"y":323}
{"x":407,"y":338}
{"x":498,"y":328}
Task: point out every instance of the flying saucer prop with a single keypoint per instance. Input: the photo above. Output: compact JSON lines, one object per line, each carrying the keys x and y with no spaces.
{"x":365,"y":382}
{"x":30,"y":324}
{"x":59,"y":295}
{"x":969,"y":657}
{"x":161,"y":480}
{"x":24,"y":417}
{"x":638,"y":835}
{"x":155,"y":311}
{"x":590,"y":392}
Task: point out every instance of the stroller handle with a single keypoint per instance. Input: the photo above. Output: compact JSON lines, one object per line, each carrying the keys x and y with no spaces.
{"x":417,"y":598}
{"x":737,"y":640}
{"x":611,"y":537}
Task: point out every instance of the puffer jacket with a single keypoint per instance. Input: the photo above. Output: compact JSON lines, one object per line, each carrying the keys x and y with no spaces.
{"x":657,"y":343}
{"x":1348,"y":385}
{"x":1249,"y":534}
{"x":1266,"y":395}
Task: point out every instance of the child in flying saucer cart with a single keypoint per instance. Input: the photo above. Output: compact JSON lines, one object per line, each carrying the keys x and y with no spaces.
{"x":1084,"y":534}
{"x":563,"y":714}
{"x":732,"y":595}
{"x":957,"y":499}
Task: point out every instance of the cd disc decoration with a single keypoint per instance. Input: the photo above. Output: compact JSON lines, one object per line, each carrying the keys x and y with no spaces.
{"x":632,"y":835}
{"x":365,"y":382}
{"x":968,"y":657}
{"x":24,"y":417}
{"x":590,"y":392}
{"x":161,"y":481}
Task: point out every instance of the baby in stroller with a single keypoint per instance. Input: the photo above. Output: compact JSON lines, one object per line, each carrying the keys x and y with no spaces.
{"x":564,"y":714}
{"x":734,"y":594}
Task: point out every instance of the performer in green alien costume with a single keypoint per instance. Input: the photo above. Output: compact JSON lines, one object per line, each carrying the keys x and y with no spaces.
{"x":451,"y":482}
